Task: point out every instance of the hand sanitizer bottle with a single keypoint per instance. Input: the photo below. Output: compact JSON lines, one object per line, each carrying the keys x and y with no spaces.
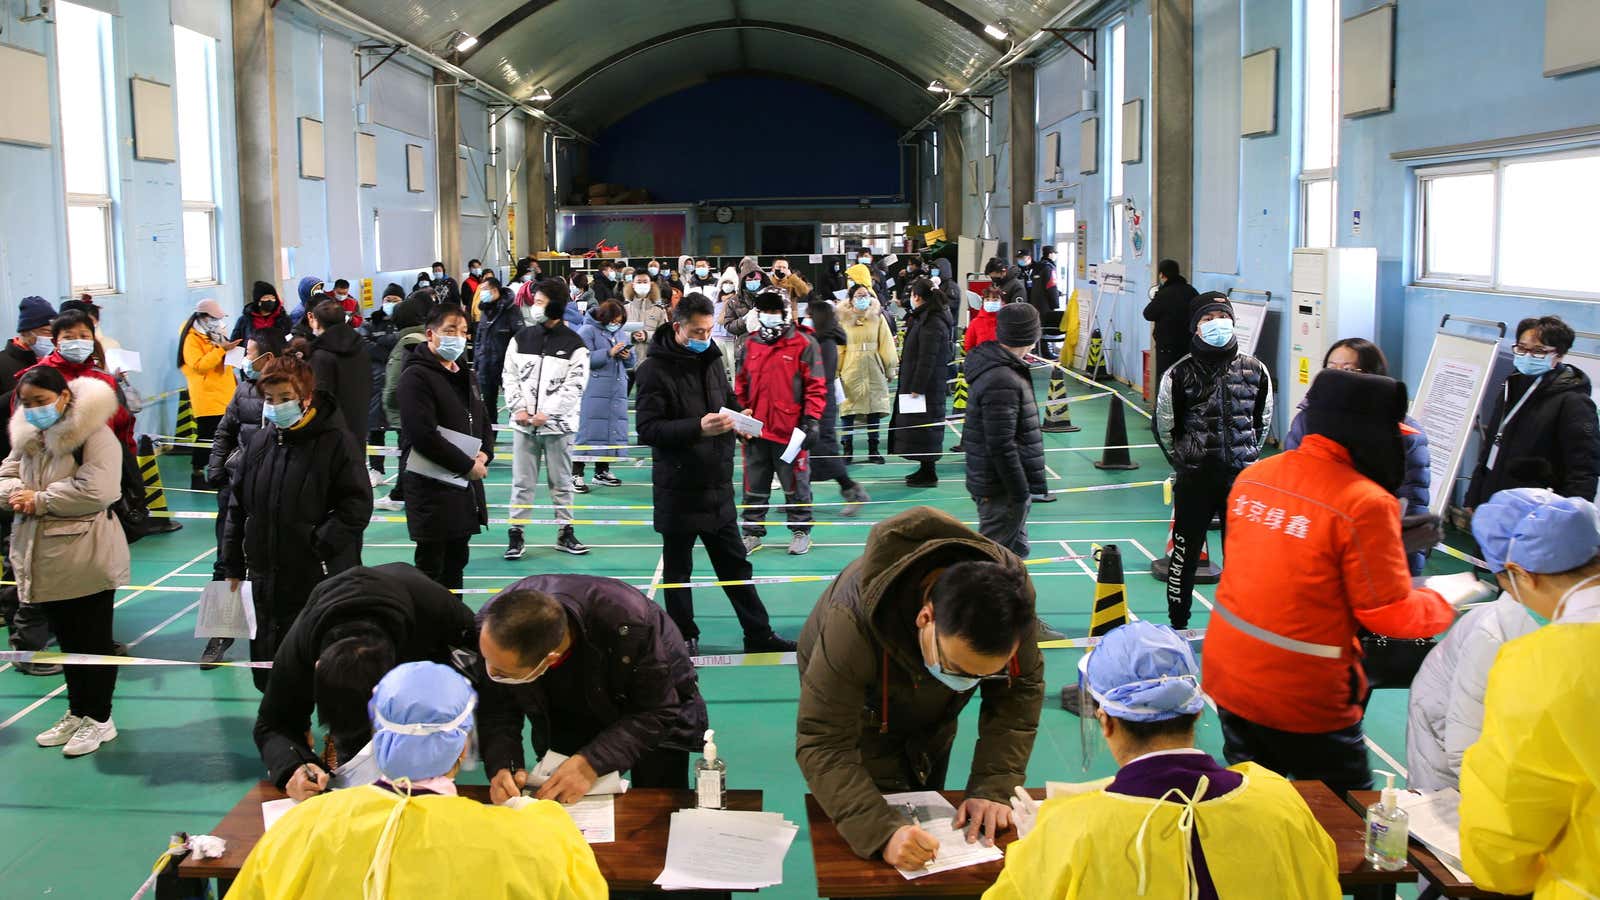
{"x":1388,"y":829}
{"x":710,"y":777}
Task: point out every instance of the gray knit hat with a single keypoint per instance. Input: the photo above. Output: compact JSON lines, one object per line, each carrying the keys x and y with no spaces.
{"x":1017,"y":325}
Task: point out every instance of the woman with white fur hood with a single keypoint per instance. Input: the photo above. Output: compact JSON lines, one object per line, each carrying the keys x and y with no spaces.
{"x":727,"y":295}
{"x":68,"y":550}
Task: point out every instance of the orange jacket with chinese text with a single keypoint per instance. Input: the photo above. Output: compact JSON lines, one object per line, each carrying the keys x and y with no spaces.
{"x":1314,"y":553}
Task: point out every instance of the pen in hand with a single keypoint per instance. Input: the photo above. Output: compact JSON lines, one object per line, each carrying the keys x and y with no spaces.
{"x":910,"y":812}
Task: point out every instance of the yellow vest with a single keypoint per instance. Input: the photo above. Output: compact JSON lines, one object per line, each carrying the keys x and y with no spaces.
{"x":1259,"y":841}
{"x":443,"y":846}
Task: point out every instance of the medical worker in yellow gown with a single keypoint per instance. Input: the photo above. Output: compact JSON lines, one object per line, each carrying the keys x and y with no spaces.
{"x":1530,"y":786}
{"x":1173,"y":823}
{"x":409,"y":835}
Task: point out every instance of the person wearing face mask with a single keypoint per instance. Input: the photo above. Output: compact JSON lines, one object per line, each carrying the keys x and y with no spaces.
{"x":1530,"y":796}
{"x":202,"y":344}
{"x":550,"y":646}
{"x":1315,"y":553}
{"x":264,"y":312}
{"x":981,"y":327}
{"x":437,"y":391}
{"x":827,"y":463}
{"x":726,"y":300}
{"x":27,"y":626}
{"x":780,"y":380}
{"x":68,"y":554}
{"x":931,"y":616}
{"x":32,"y":343}
{"x":1213,"y":410}
{"x":647,"y":305}
{"x":833,"y":279}
{"x":499,"y":319}
{"x":546,"y":371}
{"x":343,"y":367}
{"x":658,"y":274}
{"x":444,"y":286}
{"x":608,"y":286}
{"x":605,"y":399}
{"x":924,"y":359}
{"x":1008,"y":280}
{"x":298,"y":504}
{"x":736,"y":310}
{"x":379,"y":334}
{"x":474,"y":277}
{"x":310,"y":290}
{"x":348,"y":303}
{"x":1044,"y":294}
{"x":74,"y":354}
{"x":941,"y":278}
{"x":1543,"y":431}
{"x":787,"y":280}
{"x":701,"y":277}
{"x":867,"y":363}
{"x":1171,"y":818}
{"x":682,"y":389}
{"x":1023,"y":271}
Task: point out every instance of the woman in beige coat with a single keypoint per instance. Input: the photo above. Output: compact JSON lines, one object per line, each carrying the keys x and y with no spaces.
{"x":646,"y":305}
{"x":67,"y":548}
{"x":866,"y":366}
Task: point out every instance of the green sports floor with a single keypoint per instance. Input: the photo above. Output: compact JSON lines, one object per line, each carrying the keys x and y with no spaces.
{"x":91,"y":827}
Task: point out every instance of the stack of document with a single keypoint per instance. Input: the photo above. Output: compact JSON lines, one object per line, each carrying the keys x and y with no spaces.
{"x":1436,"y":824}
{"x":609,"y":783}
{"x":596,"y":817}
{"x":934,"y":814}
{"x":724,"y":850}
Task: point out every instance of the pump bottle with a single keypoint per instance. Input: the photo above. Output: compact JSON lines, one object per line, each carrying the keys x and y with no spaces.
{"x":1388,"y":829}
{"x":710,"y":777}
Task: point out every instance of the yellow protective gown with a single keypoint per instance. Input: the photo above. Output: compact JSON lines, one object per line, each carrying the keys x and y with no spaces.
{"x":442,"y":847}
{"x":1259,"y":841}
{"x":1530,"y":811}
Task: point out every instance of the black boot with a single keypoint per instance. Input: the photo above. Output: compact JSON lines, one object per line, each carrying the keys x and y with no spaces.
{"x":873,"y":456}
{"x":924,"y":476}
{"x":847,"y":446}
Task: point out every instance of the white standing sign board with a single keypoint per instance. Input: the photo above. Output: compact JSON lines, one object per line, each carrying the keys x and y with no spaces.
{"x":1248,"y":317}
{"x":1445,"y":404}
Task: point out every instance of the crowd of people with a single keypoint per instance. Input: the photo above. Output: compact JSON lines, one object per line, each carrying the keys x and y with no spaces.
{"x":293,"y":409}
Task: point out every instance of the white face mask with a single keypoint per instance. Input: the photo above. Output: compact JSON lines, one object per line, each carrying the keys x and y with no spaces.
{"x":641,"y":290}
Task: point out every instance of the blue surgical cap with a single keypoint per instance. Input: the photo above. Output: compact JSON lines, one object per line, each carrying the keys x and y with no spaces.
{"x":1543,"y":532}
{"x":421,"y":714}
{"x":1144,"y":672}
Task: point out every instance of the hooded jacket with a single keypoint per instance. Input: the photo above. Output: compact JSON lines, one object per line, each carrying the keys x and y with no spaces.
{"x":639,"y":684}
{"x":546,"y":369}
{"x":1552,"y":442}
{"x":1213,"y":410}
{"x":871,"y":717}
{"x":240,"y":421}
{"x":924,"y":359}
{"x":734,"y":313}
{"x":343,"y":367}
{"x":431,"y":397}
{"x":424,"y":620}
{"x":499,"y":320}
{"x":409,"y":332}
{"x":692,"y":476}
{"x":730,"y":306}
{"x":255,"y":320}
{"x":827,"y":462}
{"x":867,"y":359}
{"x":781,"y":383}
{"x":1005,"y":448}
{"x":605,"y":398}
{"x":308,"y":288}
{"x":651,"y":310}
{"x":73,"y":546}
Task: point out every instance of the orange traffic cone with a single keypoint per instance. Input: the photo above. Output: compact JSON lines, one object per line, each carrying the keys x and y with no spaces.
{"x":1207,"y":572}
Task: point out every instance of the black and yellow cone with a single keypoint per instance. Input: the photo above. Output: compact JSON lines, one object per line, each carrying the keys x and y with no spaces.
{"x":1057,"y":415}
{"x":959,"y":404}
{"x":1096,"y":362}
{"x":155,"y":498}
{"x":1116,"y":455}
{"x":186,"y":432}
{"x":1110,"y":610}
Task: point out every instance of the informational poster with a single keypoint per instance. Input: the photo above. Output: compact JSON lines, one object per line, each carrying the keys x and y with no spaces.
{"x":1446,"y":403}
{"x":1248,"y":317}
{"x":366,"y":293}
{"x":1111,"y":278}
{"x":1083,"y":249}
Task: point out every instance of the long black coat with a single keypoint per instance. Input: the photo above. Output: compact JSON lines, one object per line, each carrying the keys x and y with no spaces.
{"x":431,"y":397}
{"x":380,"y":334}
{"x":639,"y":684}
{"x":239,"y":423}
{"x":1552,"y":441}
{"x":343,"y":367}
{"x":425,"y":621}
{"x":1169,"y":311}
{"x":298,"y":504}
{"x":827,"y":462}
{"x":692,"y":479}
{"x":1005,"y":448}
{"x":927,"y":351}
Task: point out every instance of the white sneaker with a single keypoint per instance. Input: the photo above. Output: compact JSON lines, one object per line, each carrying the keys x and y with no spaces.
{"x":387,"y":503}
{"x":60,"y":732}
{"x":89,"y":736}
{"x":374,"y":477}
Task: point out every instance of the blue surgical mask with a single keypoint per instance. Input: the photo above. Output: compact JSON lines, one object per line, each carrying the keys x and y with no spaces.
{"x":451,"y":346}
{"x":614,"y":327}
{"x":654,"y":270}
{"x":388,"y":307}
{"x":1534,"y":365}
{"x":43,"y":346}
{"x":770,"y":320}
{"x":698,"y":346}
{"x":993,"y":306}
{"x":77,"y":350}
{"x":1217,"y":332}
{"x":42,"y":417}
{"x":477,"y":271}
{"x":808,"y":323}
{"x":862,"y":303}
{"x":248,"y":370}
{"x":958,"y":683}
{"x":283,"y":415}
{"x":701,"y":271}
{"x":752,"y":285}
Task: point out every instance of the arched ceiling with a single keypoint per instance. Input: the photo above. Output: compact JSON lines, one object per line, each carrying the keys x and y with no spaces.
{"x":604,"y":58}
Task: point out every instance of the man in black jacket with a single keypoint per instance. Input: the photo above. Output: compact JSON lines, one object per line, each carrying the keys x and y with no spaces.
{"x":1169,"y":310}
{"x":603,"y":678}
{"x":342,"y":365}
{"x":436,"y":393}
{"x":1008,"y":280}
{"x":682,"y":387}
{"x":380,"y":333}
{"x":356,"y":626}
{"x":498,"y":320}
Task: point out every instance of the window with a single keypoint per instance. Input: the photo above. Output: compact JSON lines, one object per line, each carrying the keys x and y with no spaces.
{"x":1320,"y":131}
{"x":196,"y":93}
{"x":1492,"y":224}
{"x":1064,"y":234}
{"x":1116,"y":86}
{"x":936,"y":151}
{"x":82,"y":64}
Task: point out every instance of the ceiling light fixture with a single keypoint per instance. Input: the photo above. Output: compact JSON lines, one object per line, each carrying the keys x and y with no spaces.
{"x":541,"y":94}
{"x":936,"y":86}
{"x":1000,"y":31}
{"x":465,"y":42}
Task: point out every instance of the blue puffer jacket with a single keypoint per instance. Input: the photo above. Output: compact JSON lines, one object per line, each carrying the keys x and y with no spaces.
{"x":1413,"y":489}
{"x":603,"y":417}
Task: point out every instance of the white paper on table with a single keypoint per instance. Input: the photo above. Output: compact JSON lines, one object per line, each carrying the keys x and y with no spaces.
{"x":841,"y":295}
{"x":913,"y":403}
{"x":1460,"y":589}
{"x":745,"y":425}
{"x":273,"y":810}
{"x":1436,"y":824}
{"x":814,"y":259}
{"x":609,"y":783}
{"x":838,"y":390}
{"x":714,"y":849}
{"x":358,"y":770}
{"x":934,"y":815}
{"x":596,"y":818}
{"x":129,"y":361}
{"x":427,"y":468}
{"x":791,"y":452}
{"x":225,"y":613}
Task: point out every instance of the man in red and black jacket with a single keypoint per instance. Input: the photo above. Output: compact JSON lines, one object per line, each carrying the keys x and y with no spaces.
{"x":780,"y":383}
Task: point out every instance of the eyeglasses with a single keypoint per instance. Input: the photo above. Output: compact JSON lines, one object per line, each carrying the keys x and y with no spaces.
{"x":1347,"y":367}
{"x":1535,"y":352}
{"x":944,"y":664}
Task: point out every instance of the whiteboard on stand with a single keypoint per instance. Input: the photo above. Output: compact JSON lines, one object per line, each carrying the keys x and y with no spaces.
{"x":1445,"y":405}
{"x":1248,"y":317}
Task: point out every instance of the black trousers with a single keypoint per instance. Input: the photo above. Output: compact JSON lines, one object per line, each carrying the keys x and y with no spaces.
{"x":443,"y":561}
{"x":1165,"y":357}
{"x":600,"y":468}
{"x":1196,"y":498}
{"x":83,"y":625}
{"x":375,"y":438}
{"x":200,"y":457}
{"x":726,"y":550}
{"x":1338,"y":758}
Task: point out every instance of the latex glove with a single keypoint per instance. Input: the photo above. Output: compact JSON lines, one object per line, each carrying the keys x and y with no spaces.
{"x":1421,"y":532}
{"x":752,"y":321}
{"x":1024,"y":811}
{"x":519,"y":802}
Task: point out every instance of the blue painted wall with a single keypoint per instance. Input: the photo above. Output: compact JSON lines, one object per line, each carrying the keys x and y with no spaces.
{"x":750,"y":137}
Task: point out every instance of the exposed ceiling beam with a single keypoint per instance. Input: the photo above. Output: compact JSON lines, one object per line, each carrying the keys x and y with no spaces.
{"x":505,"y":23}
{"x":966,"y":20}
